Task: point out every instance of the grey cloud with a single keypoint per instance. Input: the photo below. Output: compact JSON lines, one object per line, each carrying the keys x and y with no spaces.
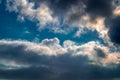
{"x":60,"y":15}
{"x":18,"y":54}
{"x":59,"y":5}
{"x":51,"y":67}
{"x":99,"y":8}
{"x":100,"y":53}
{"x":113,"y":24}
{"x":75,"y":8}
{"x":74,"y":61}
{"x":76,"y":72}
{"x":93,"y":8}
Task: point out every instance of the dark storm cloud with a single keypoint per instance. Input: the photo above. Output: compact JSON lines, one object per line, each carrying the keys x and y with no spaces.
{"x":114,"y":29}
{"x":94,"y":8}
{"x":31,"y":73}
{"x":99,"y":8}
{"x":63,"y":6}
{"x":46,"y":67}
{"x":18,"y":54}
{"x":59,"y":7}
{"x":77,"y":72}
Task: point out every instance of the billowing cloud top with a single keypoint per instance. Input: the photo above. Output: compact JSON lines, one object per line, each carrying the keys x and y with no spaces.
{"x":64,"y":47}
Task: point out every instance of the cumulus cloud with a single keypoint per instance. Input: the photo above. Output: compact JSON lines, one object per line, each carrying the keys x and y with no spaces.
{"x":26,"y":9}
{"x":90,"y":14}
{"x":50,"y":60}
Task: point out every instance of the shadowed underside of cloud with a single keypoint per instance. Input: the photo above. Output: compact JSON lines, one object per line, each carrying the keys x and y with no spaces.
{"x":33,"y":73}
{"x":49,"y":60}
{"x":114,"y":29}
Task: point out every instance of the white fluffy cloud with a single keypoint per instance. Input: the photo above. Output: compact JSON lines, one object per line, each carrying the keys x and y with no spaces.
{"x":26,"y":9}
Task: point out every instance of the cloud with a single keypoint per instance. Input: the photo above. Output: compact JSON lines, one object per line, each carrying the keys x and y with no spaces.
{"x":114,"y":29}
{"x":26,"y":9}
{"x":117,"y":11}
{"x":61,"y":16}
{"x":94,"y":9}
{"x":99,"y":8}
{"x":74,"y":10}
{"x":49,"y":58}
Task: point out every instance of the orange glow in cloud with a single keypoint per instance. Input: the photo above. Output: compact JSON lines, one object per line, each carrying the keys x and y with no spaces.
{"x":117,"y":11}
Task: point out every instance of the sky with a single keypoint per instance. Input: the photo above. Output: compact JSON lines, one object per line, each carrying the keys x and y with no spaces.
{"x":59,"y":39}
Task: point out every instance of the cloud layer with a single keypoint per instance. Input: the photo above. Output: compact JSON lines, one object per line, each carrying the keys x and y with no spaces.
{"x":49,"y":60}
